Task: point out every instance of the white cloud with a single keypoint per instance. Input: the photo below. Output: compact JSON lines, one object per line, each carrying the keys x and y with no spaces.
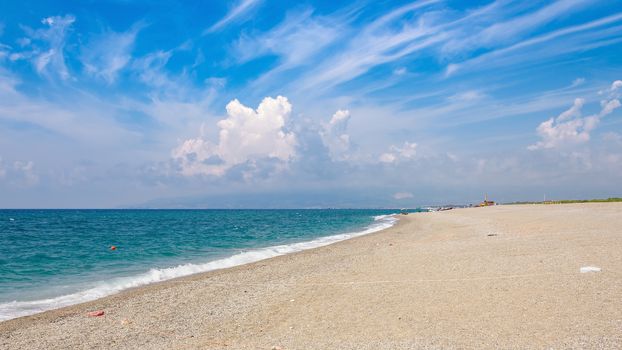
{"x":151,"y":68}
{"x":84,"y":124}
{"x":403,"y":195}
{"x":577,"y":82}
{"x":609,"y":106}
{"x":387,"y":158}
{"x":108,"y":53}
{"x":21,"y":174}
{"x":467,"y":96}
{"x":582,"y":37}
{"x":572,"y":112}
{"x":245,"y":136}
{"x":48,"y":46}
{"x":396,"y":154}
{"x":570,"y":127}
{"x":335,"y":137}
{"x":500,"y":32}
{"x":400,"y":71}
{"x":234,"y":14}
{"x":386,"y":39}
{"x":25,"y":172}
{"x":297,"y":38}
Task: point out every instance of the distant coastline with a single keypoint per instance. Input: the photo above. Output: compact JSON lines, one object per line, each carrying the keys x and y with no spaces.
{"x":571,"y":201}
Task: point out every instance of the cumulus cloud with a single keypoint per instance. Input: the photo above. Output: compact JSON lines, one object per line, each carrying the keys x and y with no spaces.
{"x":335,"y":137}
{"x":403,"y":195}
{"x":570,"y":127}
{"x":406,"y":152}
{"x":47,"y":46}
{"x":108,"y":53}
{"x":246,"y":136}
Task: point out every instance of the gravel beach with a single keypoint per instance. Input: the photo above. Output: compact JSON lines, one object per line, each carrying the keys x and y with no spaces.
{"x":495,"y":277}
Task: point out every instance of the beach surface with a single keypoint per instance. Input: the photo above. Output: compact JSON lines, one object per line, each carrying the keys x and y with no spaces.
{"x":495,"y":277}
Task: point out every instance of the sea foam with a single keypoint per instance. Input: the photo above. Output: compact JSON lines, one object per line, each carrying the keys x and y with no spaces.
{"x":104,"y":288}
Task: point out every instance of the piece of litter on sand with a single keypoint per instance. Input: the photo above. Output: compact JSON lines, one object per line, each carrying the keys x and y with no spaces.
{"x":292,"y":300}
{"x":586,"y":269}
{"x":491,"y":234}
{"x":96,"y":313}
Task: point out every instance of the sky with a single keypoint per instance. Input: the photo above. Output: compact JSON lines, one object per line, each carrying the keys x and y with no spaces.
{"x":280,"y":104}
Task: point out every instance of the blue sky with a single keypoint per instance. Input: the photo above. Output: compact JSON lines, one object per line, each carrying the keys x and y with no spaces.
{"x":256,"y":103}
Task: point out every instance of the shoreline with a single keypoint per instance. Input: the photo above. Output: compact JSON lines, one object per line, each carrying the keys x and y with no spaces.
{"x":172,"y":273}
{"x":433,"y":280}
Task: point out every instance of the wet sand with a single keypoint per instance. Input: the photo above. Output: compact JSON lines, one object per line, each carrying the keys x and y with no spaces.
{"x":496,"y":277}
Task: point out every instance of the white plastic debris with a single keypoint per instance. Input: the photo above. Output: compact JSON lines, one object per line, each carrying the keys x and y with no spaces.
{"x":586,"y":269}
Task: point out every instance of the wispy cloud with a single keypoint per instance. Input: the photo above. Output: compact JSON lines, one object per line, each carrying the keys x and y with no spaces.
{"x":47,"y":52}
{"x":500,"y":33}
{"x":385,"y":39}
{"x":62,"y":117}
{"x":296,"y":39}
{"x":518,"y":50}
{"x":108,"y":53}
{"x":234,"y":14}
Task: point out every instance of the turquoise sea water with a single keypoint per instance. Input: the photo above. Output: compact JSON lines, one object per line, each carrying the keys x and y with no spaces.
{"x":54,"y":258}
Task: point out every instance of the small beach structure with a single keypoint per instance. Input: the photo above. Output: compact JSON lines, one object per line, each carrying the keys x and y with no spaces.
{"x":486,"y":202}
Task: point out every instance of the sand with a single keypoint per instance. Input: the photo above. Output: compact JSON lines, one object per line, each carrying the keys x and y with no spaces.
{"x":496,"y":277}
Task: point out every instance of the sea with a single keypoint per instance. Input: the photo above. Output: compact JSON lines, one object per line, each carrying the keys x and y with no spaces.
{"x":55,"y":258}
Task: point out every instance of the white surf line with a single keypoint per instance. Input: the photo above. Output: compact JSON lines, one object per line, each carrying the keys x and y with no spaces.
{"x":14,"y":309}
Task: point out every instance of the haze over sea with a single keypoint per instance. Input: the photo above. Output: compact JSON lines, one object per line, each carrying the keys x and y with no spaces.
{"x":54,"y":258}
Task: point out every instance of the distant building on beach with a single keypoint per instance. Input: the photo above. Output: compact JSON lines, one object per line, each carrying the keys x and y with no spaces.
{"x":486,"y":202}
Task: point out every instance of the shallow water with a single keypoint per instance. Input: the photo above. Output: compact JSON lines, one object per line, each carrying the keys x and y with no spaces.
{"x":54,"y":258}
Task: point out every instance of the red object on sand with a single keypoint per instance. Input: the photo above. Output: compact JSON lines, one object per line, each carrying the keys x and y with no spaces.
{"x":96,"y":313}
